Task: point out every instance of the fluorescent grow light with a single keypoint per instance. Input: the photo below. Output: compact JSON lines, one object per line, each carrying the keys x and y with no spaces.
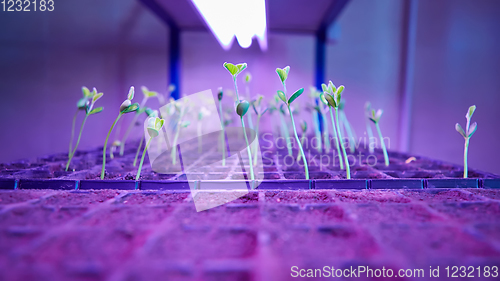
{"x":243,"y":19}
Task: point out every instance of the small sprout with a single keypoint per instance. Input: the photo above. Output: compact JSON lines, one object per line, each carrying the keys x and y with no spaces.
{"x":248,"y":77}
{"x":332,"y":96}
{"x":283,"y":75}
{"x":125,"y":107}
{"x":86,"y":103}
{"x":203,"y":113}
{"x":180,"y":108}
{"x":467,"y":134}
{"x":375,"y":117}
{"x":150,"y":113}
{"x":154,"y":126}
{"x":115,"y":144}
{"x":147,"y":94}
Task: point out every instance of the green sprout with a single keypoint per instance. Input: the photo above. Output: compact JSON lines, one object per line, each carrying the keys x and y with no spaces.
{"x":147,"y":94}
{"x":469,"y":131}
{"x":241,"y":110}
{"x":150,"y":113}
{"x":303,"y":126}
{"x":125,"y":107}
{"x":86,"y":103}
{"x":368,"y":111}
{"x":375,"y":117}
{"x":154,"y":126}
{"x":332,"y":96}
{"x":259,"y":111}
{"x":80,"y":105}
{"x":283,"y":75}
{"x":220,"y":95}
{"x":325,"y":128}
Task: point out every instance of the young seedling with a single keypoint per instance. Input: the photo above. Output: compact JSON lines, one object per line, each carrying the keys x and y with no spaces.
{"x":375,"y":117}
{"x":150,"y":113}
{"x":88,"y":102}
{"x":147,"y":94}
{"x":241,"y":110}
{"x":332,"y":96}
{"x":82,"y":104}
{"x":125,"y":107}
{"x":469,"y":131}
{"x":220,"y":95}
{"x":368,"y":112}
{"x":283,"y":75}
{"x":259,"y":111}
{"x":303,"y":126}
{"x":154,"y":126}
{"x":234,"y":70}
{"x":114,"y":145}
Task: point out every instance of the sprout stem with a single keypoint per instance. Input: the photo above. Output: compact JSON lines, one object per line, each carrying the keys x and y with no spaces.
{"x":386,"y":157}
{"x":142,"y":159}
{"x":466,"y":150}
{"x":138,"y":150}
{"x":248,"y":148}
{"x":300,"y":145}
{"x":257,"y":139}
{"x":77,"y":142}
{"x":349,"y":131}
{"x":236,"y":89}
{"x":370,"y":135}
{"x":317,"y":132}
{"x":287,"y":134}
{"x":337,"y":139}
{"x":72,"y":133}
{"x":302,"y":137}
{"x":346,"y":160}
{"x":106,"y":144}
{"x":223,"y":135}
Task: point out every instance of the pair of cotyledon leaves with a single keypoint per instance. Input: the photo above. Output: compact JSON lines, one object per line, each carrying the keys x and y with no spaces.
{"x":283,"y":75}
{"x":127,"y":106}
{"x":257,"y":107}
{"x":472,"y":128}
{"x":89,"y":99}
{"x":235,"y":69}
{"x":154,"y":126}
{"x":331,"y":95}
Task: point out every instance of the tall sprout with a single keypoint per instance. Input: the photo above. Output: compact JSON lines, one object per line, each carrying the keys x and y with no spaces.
{"x":283,"y":75}
{"x":467,"y":134}
{"x":368,"y":112}
{"x":259,"y":111}
{"x":375,"y":117}
{"x":89,"y":110}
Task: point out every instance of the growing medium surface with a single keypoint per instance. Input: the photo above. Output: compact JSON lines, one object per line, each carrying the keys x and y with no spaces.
{"x":146,"y":235}
{"x":276,"y":162}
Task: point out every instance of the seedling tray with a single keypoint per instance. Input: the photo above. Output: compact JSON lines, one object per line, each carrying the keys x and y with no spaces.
{"x":48,"y":173}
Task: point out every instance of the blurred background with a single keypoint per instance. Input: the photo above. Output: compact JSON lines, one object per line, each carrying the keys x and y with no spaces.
{"x":423,"y":61}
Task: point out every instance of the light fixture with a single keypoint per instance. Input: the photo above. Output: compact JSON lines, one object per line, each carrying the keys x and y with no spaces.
{"x":243,"y":19}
